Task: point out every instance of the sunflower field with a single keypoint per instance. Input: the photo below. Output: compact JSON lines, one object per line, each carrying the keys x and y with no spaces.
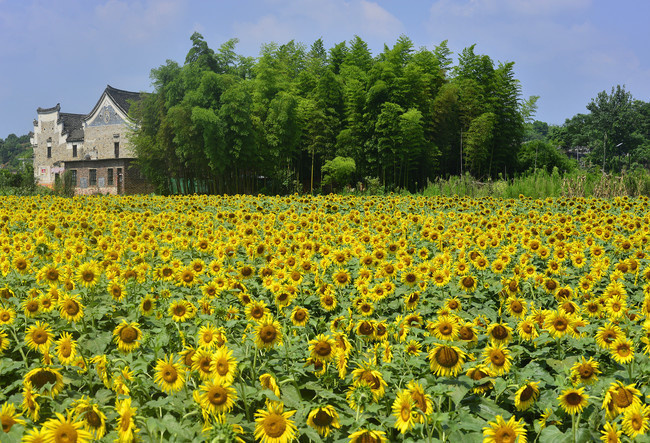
{"x":327,"y":318}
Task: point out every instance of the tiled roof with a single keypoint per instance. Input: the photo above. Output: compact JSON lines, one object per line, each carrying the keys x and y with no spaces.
{"x":72,"y":125}
{"x":49,"y":110}
{"x":122,"y":98}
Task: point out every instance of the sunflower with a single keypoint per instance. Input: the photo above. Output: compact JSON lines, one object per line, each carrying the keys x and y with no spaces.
{"x":636,"y":420}
{"x":273,"y":425}
{"x":527,"y":395}
{"x":622,"y":350}
{"x":117,"y":290}
{"x":467,"y":283}
{"x":367,"y":436}
{"x":480,"y":372}
{"x":268,"y":333}
{"x":66,"y":348}
{"x":405,"y":411}
{"x":7,"y":315}
{"x":299,"y":316}
{"x":328,"y":301}
{"x":620,"y":397}
{"x":31,"y":307}
{"x":516,"y":306}
{"x":202,"y":362}
{"x":499,"y":333}
{"x":39,"y":337}
{"x":323,"y":419}
{"x":256,"y":310}
{"x":497,"y":358}
{"x":147,"y":305}
{"x":70,"y":308}
{"x":88,"y":274}
{"x":187,"y":277}
{"x":93,"y":419}
{"x":209,"y":336}
{"x":126,"y":421}
{"x":223,"y":366}
{"x":170,"y":375}
{"x":127,"y":336}
{"x":180,"y":310}
{"x":500,"y":431}
{"x":585,"y":371}
{"x":268,"y":382}
{"x":4,"y":341}
{"x":446,"y":360}
{"x":341,"y":277}
{"x":9,"y":417}
{"x":573,"y":400}
{"x":36,"y":435}
{"x":30,"y":405}
{"x":66,"y":429}
{"x":421,"y":400}
{"x":322,"y":347}
{"x":217,"y":398}
{"x":558,"y":323}
{"x":365,"y":374}
{"x":445,"y":328}
{"x":611,"y":433}
{"x":607,"y":334}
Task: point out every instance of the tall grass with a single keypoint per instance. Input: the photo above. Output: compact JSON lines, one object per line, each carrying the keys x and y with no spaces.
{"x":541,"y":184}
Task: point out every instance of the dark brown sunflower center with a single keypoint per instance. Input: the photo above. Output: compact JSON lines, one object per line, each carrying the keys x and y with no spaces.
{"x":88,"y":276}
{"x":322,"y":418}
{"x":560,"y":324}
{"x":93,"y":419}
{"x":71,"y":307}
{"x":465,"y":333}
{"x":300,"y":315}
{"x":128,"y":334}
{"x":274,"y":425}
{"x":169,"y":374}
{"x":573,"y":399}
{"x":372,"y":380}
{"x":39,"y":336}
{"x":499,"y":332}
{"x":527,"y":393}
{"x":323,"y":349}
{"x":41,"y":378}
{"x":32,"y":306}
{"x":447,"y":357}
{"x":217,"y":395}
{"x":623,"y":398}
{"x":516,"y":307}
{"x":468,"y":282}
{"x":268,"y":333}
{"x":498,"y":358}
{"x":223,"y":367}
{"x":365,"y":328}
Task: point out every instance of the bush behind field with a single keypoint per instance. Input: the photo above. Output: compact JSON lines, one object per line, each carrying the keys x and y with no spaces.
{"x":541,"y":184}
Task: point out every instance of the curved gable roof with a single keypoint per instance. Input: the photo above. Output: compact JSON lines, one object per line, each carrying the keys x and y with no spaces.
{"x":121,"y":98}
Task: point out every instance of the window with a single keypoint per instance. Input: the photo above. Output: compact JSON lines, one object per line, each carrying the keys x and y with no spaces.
{"x":73,"y":177}
{"x":117,"y":149}
{"x":74,"y":150}
{"x":109,"y":177}
{"x":49,"y":152}
{"x":92,"y":177}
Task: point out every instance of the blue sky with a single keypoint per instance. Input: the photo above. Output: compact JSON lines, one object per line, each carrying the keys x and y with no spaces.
{"x":67,"y":51}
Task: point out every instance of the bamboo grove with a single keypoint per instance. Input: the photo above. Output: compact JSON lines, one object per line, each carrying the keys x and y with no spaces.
{"x":225,"y":123}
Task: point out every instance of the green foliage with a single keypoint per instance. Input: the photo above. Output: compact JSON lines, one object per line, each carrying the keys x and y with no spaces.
{"x":224,"y":123}
{"x":338,"y":171}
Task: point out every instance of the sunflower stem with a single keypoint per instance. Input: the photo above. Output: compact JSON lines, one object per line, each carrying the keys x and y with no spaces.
{"x":20,"y":348}
{"x":629,"y":371}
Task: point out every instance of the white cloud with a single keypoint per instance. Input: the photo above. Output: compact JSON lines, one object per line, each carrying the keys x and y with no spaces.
{"x":308,"y":20}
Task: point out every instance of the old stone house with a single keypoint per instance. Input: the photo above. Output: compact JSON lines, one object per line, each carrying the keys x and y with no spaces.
{"x":94,"y":147}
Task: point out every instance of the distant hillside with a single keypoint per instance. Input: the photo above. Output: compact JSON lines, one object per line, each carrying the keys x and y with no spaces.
{"x":14,"y":150}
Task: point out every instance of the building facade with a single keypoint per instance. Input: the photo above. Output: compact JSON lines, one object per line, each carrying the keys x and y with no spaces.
{"x":93,"y":147}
